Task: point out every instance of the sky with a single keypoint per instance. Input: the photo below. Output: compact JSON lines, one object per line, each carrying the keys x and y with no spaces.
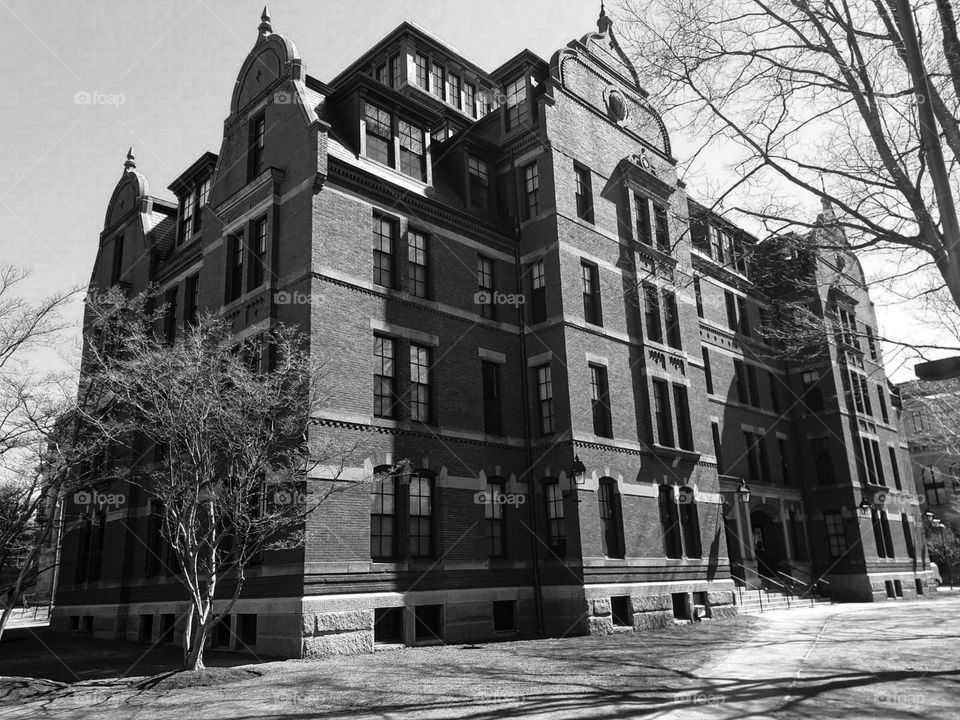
{"x":83,"y":82}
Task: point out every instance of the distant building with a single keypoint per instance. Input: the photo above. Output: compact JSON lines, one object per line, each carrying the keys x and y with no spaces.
{"x":509,"y":278}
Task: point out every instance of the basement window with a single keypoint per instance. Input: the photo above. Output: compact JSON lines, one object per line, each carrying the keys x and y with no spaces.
{"x":622,"y":610}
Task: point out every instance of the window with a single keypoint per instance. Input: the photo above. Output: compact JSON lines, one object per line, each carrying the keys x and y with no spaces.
{"x":496,"y":525}
{"x":203,"y":196}
{"x":531,"y":191}
{"x":740,"y":378}
{"x":545,"y":399}
{"x":420,"y":395}
{"x":417,"y":264}
{"x":428,"y":621}
{"x":422,"y":73}
{"x":479,"y":185}
{"x":644,"y":229}
{"x":504,"y":616}
{"x":716,"y":244}
{"x":753,"y":388}
{"x":388,"y":625}
{"x":812,"y":394}
{"x":672,"y":319}
{"x":117,"y":268}
{"x":170,"y":330}
{"x":773,"y":383}
{"x":379,"y":135}
{"x":490,"y":381}
{"x":453,"y":90}
{"x":168,"y":624}
{"x":661,"y":409}
{"x":234,"y":266}
{"x":717,"y":447}
{"x":257,"y":141}
{"x":517,"y":111}
{"x":247,"y":630}
{"x":611,"y":522}
{"x":590,"y":279}
{"x":538,"y":306}
{"x":882,"y":400}
{"x":187,"y":202}
{"x":470,"y":99}
{"x":380,"y":73}
{"x":881,"y":534}
{"x":395,"y":71}
{"x":785,"y":472}
{"x":707,"y":372}
{"x":384,"y":374}
{"x":191,"y":305}
{"x":145,"y":631}
{"x":751,"y":441}
{"x":420,"y":522}
{"x":764,"y":457}
{"x":698,"y":296}
{"x":797,"y":536}
{"x":871,"y":466}
{"x":600,"y":402}
{"x":258,"y":253}
{"x":871,"y":342}
{"x":917,"y":418}
{"x":669,"y":522}
{"x":684,"y":431}
{"x":485,"y":286}
{"x":383,"y":519}
{"x":823,"y":460}
{"x":744,"y":318}
{"x":934,"y":489}
{"x":436,"y":80}
{"x":731,"y":303}
{"x":652,"y":314}
{"x":836,"y":536}
{"x":584,"y":193}
{"x":895,"y":466}
{"x":384,"y":234}
{"x":412,"y":153}
{"x":662,"y":227}
{"x":740,"y":258}
{"x":556,"y":533}
{"x":621,"y":607}
{"x":690,"y":523}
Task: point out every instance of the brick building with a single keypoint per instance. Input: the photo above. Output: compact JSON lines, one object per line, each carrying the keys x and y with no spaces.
{"x":515,"y":296}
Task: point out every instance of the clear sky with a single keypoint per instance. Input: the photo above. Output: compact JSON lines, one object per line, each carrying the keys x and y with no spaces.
{"x":82,"y":82}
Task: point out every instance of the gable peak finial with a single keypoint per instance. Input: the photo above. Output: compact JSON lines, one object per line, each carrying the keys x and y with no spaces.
{"x":603,"y":22}
{"x":130,"y":164}
{"x":265,"y":27}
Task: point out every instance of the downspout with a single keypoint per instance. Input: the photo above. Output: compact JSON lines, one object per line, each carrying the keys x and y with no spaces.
{"x":525,"y":392}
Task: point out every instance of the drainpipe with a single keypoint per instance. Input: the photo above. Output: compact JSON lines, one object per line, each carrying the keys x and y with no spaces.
{"x":525,"y":392}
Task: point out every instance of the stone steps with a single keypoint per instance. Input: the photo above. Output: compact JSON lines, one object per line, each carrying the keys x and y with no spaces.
{"x":768,"y":601}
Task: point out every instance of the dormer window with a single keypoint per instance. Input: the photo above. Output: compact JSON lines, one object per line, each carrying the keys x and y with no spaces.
{"x":517,"y":111}
{"x":395,"y":142}
{"x":422,"y":73}
{"x":479,"y":185}
{"x":453,"y":90}
{"x":379,"y":135}
{"x":191,"y":202}
{"x":412,"y":152}
{"x":257,"y":143}
{"x":470,"y":99}
{"x":436,"y":80}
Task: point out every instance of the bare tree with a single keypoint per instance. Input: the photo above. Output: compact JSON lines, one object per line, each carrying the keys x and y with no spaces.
{"x":232,"y":455}
{"x":819,"y":98}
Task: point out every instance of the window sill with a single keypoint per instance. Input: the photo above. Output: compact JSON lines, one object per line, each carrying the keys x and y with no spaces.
{"x":668,"y":451}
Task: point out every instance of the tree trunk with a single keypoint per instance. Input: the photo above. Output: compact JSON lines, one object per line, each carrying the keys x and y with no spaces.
{"x":187,"y":635}
{"x":195,"y":656}
{"x":5,"y":617}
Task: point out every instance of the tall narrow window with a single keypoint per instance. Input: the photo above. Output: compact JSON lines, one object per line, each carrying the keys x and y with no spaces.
{"x":764,"y":457}
{"x":690,"y":523}
{"x":907,"y":536}
{"x":383,"y":519}
{"x":117,"y":267}
{"x":379,"y":135}
{"x":436,"y":80}
{"x":611,"y":523}
{"x":556,"y":532}
{"x":384,"y":234}
{"x":716,"y":244}
{"x":731,"y":303}
{"x":878,"y":537}
{"x":753,"y":455}
{"x":773,"y":384}
{"x":670,"y":522}
{"x":662,"y":227}
{"x":785,"y":471}
{"x":420,"y":395}
{"x":584,"y":192}
{"x":423,"y":73}
{"x":895,"y":467}
{"x":590,"y":280}
{"x":470,"y":99}
{"x":203,"y":197}
{"x":682,"y":409}
{"x":717,"y":447}
{"x":187,"y":201}
{"x":545,"y":399}
{"x":258,"y":253}
{"x":753,"y":387}
{"x":384,"y":377}
{"x":644,"y":228}
{"x":479,"y":182}
{"x":882,"y":400}
{"x":496,"y":524}
{"x":671,"y":318}
{"x":871,"y":342}
{"x":257,"y":142}
{"x":516,"y":103}
{"x":600,"y":401}
{"x":707,"y":372}
{"x":234,"y":266}
{"x":395,"y":71}
{"x":420,"y":528}
{"x":531,"y":191}
{"x":417,"y":264}
{"x":453,"y":90}
{"x":743,"y":317}
{"x":836,"y":536}
{"x":538,"y":306}
{"x":490,"y":380}
{"x":412,"y":152}
{"x":652,"y":314}
{"x":740,"y":379}
{"x":822,"y":460}
{"x":662,"y":415}
{"x":485,"y":287}
{"x":812,"y":394}
{"x":171,"y":315}
{"x":191,"y":306}
{"x":698,"y":296}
